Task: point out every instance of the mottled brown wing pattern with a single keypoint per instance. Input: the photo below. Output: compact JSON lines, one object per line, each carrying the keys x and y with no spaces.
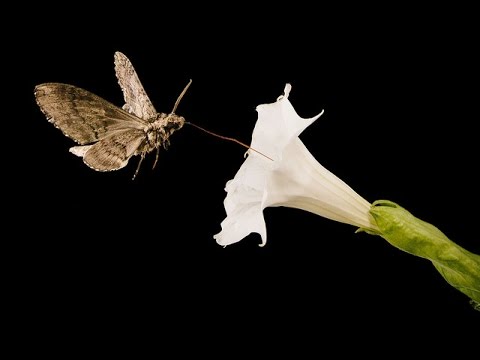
{"x":136,"y":99}
{"x":114,"y":151}
{"x":81,"y":115}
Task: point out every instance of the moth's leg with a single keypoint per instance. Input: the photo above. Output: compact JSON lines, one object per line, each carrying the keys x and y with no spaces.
{"x":142,"y":156}
{"x":166,"y":143}
{"x":156,"y":157}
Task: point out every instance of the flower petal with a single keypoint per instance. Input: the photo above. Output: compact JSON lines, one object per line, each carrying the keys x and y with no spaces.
{"x":278,"y":123}
{"x":300,"y":181}
{"x":243,"y":203}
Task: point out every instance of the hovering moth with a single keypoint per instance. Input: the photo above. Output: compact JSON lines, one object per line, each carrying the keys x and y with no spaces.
{"x":108,"y":136}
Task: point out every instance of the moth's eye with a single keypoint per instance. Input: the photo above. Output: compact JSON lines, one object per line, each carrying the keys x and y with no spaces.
{"x":173,"y":125}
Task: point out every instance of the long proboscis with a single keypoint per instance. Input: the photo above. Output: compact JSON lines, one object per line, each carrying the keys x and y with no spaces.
{"x":211,"y":132}
{"x":228,"y":139}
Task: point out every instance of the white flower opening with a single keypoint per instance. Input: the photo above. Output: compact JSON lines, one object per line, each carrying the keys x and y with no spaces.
{"x":293,"y":179}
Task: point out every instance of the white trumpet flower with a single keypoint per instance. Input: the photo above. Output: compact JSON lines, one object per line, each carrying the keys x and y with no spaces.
{"x":282,"y":172}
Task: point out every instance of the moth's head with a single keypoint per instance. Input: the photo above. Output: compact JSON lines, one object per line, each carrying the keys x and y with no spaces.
{"x":175,"y":122}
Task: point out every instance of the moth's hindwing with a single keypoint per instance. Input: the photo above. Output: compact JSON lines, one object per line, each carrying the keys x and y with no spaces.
{"x":114,"y":151}
{"x":82,"y":115}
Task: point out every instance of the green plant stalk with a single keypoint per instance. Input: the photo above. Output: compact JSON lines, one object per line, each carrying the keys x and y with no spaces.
{"x":459,"y":267}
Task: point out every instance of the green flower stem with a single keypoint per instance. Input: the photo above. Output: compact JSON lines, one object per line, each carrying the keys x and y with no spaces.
{"x":459,"y":267}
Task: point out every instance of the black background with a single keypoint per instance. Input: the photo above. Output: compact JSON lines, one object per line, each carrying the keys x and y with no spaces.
{"x":103,"y":253}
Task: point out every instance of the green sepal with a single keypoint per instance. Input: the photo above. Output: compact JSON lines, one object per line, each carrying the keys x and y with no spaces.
{"x":459,"y":267}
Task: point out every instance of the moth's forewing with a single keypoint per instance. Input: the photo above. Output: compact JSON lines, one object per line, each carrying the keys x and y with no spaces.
{"x":82,"y":115}
{"x":114,"y":151}
{"x":136,"y":99}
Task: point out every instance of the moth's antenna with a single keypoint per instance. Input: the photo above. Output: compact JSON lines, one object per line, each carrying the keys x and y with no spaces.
{"x":228,"y":138}
{"x":180,"y":97}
